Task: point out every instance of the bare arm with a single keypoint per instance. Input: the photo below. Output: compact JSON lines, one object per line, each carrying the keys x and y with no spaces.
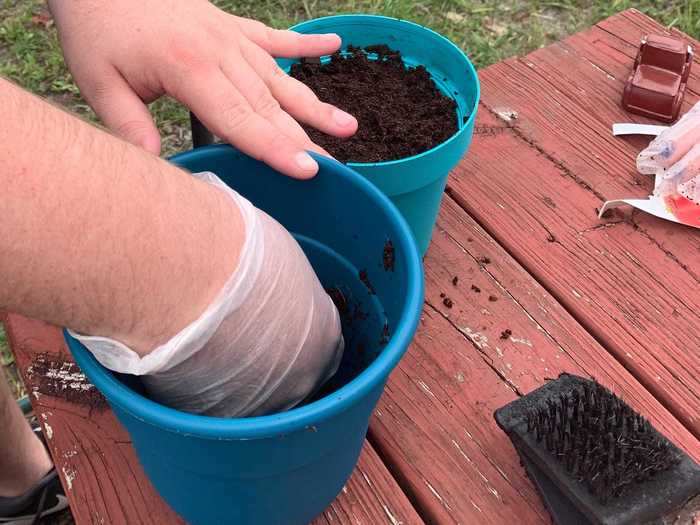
{"x":100,"y":236}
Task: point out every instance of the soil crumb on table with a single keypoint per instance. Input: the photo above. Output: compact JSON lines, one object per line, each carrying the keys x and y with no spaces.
{"x":63,"y":379}
{"x":400,"y":110}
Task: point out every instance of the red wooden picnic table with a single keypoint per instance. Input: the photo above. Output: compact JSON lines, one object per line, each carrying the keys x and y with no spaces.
{"x":543,"y":287}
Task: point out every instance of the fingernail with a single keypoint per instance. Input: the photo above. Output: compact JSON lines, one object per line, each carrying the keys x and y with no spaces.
{"x":646,"y":163}
{"x":305,"y":162}
{"x":343,"y":119}
{"x":648,"y":154}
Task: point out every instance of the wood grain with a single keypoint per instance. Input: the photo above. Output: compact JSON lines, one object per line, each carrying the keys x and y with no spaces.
{"x":632,"y":280}
{"x":434,"y":425}
{"x":104,"y":481}
{"x":542,"y":287}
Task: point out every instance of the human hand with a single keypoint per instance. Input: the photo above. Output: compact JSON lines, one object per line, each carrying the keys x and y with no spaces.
{"x":126,"y":54}
{"x":676,"y":154}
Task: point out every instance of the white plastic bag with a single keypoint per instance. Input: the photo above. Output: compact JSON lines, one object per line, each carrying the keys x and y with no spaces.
{"x":674,"y":157}
{"x":270,"y":339}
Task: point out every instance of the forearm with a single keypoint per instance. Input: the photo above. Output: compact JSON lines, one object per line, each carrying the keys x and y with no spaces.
{"x":100,"y":236}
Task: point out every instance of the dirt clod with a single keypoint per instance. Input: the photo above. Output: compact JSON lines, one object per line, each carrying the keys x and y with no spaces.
{"x":476,"y":289}
{"x":365,"y":280}
{"x":484,"y":260}
{"x":455,"y":280}
{"x":388,"y":257}
{"x":505,"y":334}
{"x":339,"y":300}
{"x":400,"y":110}
{"x":447,"y":302}
{"x":493,"y":298}
{"x":63,"y":379}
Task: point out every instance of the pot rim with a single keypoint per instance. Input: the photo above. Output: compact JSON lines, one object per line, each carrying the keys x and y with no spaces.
{"x":296,"y":419}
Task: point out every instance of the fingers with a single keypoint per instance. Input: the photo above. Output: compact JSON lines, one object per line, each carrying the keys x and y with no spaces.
{"x":672,"y":144}
{"x":122,"y":110}
{"x":288,"y":44}
{"x":257,"y":94}
{"x":679,"y":179}
{"x":227,"y":113}
{"x":297,"y":99}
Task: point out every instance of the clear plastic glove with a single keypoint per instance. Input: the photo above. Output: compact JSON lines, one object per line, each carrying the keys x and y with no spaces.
{"x":675,"y":156}
{"x":270,"y":339}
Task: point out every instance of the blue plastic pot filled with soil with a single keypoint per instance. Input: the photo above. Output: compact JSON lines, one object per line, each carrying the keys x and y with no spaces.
{"x":286,"y":468}
{"x":415,"y":95}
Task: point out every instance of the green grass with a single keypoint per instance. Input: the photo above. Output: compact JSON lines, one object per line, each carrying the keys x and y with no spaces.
{"x":7,"y":361}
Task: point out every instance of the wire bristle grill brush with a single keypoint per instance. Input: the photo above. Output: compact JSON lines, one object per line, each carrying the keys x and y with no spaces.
{"x":593,"y":458}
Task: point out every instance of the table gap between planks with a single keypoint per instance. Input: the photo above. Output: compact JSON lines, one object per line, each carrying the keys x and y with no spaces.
{"x":616,"y":300}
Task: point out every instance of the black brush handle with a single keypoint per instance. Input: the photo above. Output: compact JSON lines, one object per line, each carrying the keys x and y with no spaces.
{"x":201,"y":136}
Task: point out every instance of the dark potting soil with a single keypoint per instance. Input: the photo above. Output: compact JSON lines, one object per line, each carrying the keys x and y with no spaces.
{"x":388,"y":256}
{"x":400,"y":110}
{"x":349,"y":309}
{"x":58,"y":378}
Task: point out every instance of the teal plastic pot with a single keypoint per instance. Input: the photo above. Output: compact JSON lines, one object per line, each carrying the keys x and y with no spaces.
{"x":285,"y":469}
{"x":414,"y":184}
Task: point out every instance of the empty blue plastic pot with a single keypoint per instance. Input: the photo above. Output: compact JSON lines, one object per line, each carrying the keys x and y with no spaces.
{"x":415,"y":184}
{"x":287,"y":468}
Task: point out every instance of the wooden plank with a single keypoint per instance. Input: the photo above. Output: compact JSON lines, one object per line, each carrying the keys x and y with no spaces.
{"x":605,"y":60}
{"x":104,"y":481}
{"x":631,"y":280}
{"x":588,"y":91}
{"x":434,"y":425}
{"x":91,"y":450}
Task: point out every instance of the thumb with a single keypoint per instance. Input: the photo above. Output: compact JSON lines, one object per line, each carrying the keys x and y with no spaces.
{"x":123,"y":111}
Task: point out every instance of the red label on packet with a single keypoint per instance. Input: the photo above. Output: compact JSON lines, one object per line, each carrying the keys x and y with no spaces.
{"x":674,"y":207}
{"x":685,"y":210}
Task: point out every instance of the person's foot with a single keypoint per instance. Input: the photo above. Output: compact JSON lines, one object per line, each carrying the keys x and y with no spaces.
{"x":46,"y":497}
